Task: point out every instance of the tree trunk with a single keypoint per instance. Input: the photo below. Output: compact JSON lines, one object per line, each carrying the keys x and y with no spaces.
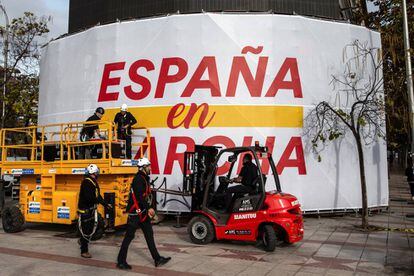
{"x":363,"y":182}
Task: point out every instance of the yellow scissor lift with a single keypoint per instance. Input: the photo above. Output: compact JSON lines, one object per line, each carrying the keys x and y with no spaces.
{"x":50,"y":161}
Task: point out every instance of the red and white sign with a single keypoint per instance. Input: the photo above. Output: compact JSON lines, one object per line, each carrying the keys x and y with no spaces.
{"x":219,"y":79}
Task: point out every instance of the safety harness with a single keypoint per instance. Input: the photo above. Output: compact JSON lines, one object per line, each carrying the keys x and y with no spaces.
{"x":135,"y":205}
{"x":93,"y":209}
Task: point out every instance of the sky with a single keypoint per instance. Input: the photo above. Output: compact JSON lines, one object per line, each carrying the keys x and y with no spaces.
{"x":57,"y":9}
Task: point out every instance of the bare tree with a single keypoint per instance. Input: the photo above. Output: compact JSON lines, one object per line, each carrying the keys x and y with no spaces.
{"x":357,"y":107}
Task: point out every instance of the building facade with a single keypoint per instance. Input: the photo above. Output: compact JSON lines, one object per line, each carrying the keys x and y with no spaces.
{"x":85,"y":14}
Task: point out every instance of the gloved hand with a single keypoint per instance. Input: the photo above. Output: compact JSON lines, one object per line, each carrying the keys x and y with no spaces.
{"x":151,"y":213}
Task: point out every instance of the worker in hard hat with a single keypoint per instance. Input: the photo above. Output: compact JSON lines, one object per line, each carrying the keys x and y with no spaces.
{"x":89,"y":198}
{"x":140,"y":213}
{"x":90,"y":131}
{"x":124,"y":121}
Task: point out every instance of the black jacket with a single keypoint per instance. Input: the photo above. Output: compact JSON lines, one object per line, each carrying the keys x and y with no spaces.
{"x":409,"y":173}
{"x":89,"y":130}
{"x":122,"y":120}
{"x":90,"y":194}
{"x":141,"y":187}
{"x":249,"y":174}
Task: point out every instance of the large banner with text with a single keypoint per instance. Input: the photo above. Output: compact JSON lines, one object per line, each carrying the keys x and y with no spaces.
{"x":219,"y":79}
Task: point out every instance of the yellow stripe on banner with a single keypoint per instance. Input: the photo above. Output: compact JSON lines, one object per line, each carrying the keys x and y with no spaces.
{"x":224,"y":116}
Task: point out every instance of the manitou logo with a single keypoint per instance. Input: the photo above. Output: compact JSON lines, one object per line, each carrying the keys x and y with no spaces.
{"x":245,"y":216}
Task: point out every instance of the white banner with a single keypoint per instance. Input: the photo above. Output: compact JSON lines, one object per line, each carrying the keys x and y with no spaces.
{"x":218,"y":79}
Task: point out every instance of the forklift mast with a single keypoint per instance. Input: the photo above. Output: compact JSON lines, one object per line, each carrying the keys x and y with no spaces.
{"x":198,"y":165}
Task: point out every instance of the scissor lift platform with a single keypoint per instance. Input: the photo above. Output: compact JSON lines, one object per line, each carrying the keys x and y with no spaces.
{"x":50,"y":162}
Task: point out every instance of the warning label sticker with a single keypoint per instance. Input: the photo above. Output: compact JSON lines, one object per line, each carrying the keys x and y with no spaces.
{"x":63,"y":212}
{"x":34,"y":207}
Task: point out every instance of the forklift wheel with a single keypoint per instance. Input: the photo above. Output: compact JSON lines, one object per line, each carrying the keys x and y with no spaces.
{"x":201,"y":230}
{"x":269,"y":238}
{"x":13,"y":220}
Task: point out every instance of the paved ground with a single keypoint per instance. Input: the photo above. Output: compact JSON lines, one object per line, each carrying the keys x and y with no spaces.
{"x":332,"y":246}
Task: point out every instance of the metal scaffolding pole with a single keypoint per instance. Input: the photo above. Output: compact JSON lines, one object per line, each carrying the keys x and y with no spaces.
{"x":409,"y":70}
{"x":5,"y":53}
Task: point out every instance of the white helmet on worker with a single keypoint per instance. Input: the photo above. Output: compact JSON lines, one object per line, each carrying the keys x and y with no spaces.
{"x":92,"y":169}
{"x":143,"y":162}
{"x":124,"y":107}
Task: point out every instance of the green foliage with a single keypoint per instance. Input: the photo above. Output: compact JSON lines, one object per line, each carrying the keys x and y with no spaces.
{"x":388,"y":21}
{"x":362,"y":122}
{"x":22,"y":80}
{"x":22,"y":100}
{"x":334,"y":134}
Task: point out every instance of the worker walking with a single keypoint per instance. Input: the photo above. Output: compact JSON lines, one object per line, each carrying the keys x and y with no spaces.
{"x":89,"y":198}
{"x":139,"y":215}
{"x":409,"y":173}
{"x":125,"y":120}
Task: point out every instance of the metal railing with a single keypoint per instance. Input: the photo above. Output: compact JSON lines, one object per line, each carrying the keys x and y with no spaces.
{"x":62,"y":143}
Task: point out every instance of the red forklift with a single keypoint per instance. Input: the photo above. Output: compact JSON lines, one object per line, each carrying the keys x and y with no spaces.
{"x":271,"y":217}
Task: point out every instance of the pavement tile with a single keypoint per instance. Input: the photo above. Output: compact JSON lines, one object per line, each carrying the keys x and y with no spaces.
{"x":350,"y":252}
{"x":399,"y":261}
{"x":339,"y":272}
{"x":206,"y":268}
{"x":357,"y":238}
{"x":319,"y":237}
{"x":338,"y":237}
{"x":184,"y":265}
{"x":359,"y":273}
{"x":370,"y":267}
{"x":314,"y":270}
{"x":374,"y":255}
{"x":308,"y":249}
{"x":306,"y":274}
{"x":328,"y":250}
{"x":281,"y":272}
{"x":291,"y":268}
{"x":257,"y":269}
{"x":295,"y":260}
{"x":230,"y":269}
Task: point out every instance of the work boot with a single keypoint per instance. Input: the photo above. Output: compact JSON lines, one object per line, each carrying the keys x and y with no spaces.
{"x":123,"y":266}
{"x":86,"y":255}
{"x":162,"y":261}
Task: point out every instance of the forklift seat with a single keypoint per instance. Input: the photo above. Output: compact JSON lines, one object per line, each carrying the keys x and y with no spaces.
{"x":256,"y":186}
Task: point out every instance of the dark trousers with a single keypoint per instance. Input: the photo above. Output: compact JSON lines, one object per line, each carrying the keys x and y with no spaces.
{"x":239,"y":189}
{"x":411,"y":188}
{"x":88,"y":221}
{"x":2,"y":196}
{"x":132,"y":226}
{"x":128,"y":147}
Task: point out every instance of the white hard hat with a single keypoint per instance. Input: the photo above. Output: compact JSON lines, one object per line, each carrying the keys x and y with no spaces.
{"x":124,"y":107}
{"x":92,"y":169}
{"x":143,"y":162}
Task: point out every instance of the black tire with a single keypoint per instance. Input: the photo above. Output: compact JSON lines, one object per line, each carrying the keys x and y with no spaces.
{"x":13,"y":220}
{"x":201,"y":230}
{"x":100,"y":229}
{"x":269,"y":238}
